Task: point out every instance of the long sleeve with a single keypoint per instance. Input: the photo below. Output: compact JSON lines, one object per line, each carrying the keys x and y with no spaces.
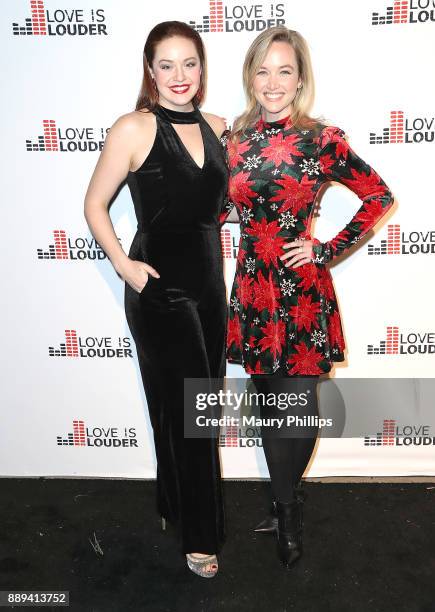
{"x":338,"y":162}
{"x":227,"y":204}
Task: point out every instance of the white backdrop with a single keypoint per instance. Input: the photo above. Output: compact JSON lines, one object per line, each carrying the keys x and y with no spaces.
{"x":73,"y":402}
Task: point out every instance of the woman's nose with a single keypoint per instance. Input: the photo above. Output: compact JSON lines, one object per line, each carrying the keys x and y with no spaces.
{"x":272,"y":82}
{"x":179,"y":73}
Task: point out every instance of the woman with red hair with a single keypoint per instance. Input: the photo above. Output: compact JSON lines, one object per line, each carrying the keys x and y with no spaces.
{"x":175,"y":300}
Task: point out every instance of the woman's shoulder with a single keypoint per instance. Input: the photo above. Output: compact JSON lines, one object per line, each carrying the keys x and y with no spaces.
{"x":321,"y":132}
{"x":132,"y":130}
{"x":135,"y":119}
{"x":217,"y":124}
{"x":327,"y":132}
{"x":135,"y":122}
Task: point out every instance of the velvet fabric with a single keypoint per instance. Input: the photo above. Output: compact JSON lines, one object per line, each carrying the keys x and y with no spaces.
{"x":178,"y":321}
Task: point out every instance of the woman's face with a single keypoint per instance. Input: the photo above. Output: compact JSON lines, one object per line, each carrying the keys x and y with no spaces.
{"x":177,"y":71}
{"x":275,"y":84}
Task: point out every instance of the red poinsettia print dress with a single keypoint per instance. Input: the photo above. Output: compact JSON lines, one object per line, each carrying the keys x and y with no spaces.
{"x":280,"y":317}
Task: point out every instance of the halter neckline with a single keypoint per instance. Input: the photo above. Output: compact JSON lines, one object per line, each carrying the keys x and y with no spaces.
{"x":173,"y":116}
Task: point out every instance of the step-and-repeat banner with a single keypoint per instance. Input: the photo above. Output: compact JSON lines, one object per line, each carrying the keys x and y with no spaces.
{"x":72,"y":399}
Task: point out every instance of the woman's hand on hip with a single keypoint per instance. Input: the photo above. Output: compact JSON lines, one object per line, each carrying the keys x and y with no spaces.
{"x":299,"y":252}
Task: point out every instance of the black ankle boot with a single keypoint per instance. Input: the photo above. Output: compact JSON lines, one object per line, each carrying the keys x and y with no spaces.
{"x":289,"y":534}
{"x":270,"y":523}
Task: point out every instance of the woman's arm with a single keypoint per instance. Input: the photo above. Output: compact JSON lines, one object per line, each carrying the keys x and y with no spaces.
{"x":125,"y":137}
{"x":219,"y":126}
{"x":228,"y":212}
{"x":340,"y":163}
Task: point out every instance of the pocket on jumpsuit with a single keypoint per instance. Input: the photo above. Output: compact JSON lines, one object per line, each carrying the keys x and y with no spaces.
{"x":152,"y":293}
{"x":144,"y":288}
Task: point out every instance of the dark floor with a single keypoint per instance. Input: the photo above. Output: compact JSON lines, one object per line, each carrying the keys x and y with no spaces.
{"x":367,"y":547}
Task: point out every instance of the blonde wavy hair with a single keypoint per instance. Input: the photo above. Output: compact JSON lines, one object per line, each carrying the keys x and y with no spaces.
{"x":255,"y":55}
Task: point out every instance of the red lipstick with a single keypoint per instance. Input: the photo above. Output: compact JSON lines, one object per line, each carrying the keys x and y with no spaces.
{"x":180,"y":89}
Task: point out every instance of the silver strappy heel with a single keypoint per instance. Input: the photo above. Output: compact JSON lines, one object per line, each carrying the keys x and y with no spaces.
{"x":198,"y":565}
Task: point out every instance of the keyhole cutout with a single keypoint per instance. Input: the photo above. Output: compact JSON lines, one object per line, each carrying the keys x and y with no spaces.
{"x":190,"y":136}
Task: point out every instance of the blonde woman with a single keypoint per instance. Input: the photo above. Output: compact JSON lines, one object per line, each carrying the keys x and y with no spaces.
{"x":284,"y":324}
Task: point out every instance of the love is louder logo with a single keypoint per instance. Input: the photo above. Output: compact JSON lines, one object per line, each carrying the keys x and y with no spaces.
{"x":61,"y":22}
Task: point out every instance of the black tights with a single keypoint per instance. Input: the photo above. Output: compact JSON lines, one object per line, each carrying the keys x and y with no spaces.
{"x":287,"y":451}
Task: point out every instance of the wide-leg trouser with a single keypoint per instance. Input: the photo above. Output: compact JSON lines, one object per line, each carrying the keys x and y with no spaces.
{"x":180,"y":336}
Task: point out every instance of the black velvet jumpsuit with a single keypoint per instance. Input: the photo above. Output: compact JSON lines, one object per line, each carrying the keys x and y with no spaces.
{"x":178,"y":322}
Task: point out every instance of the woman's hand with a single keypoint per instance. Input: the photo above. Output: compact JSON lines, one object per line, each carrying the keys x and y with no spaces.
{"x":136,"y":273}
{"x":299,"y":253}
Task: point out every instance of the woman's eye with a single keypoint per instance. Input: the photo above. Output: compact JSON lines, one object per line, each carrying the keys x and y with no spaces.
{"x":165,"y":67}
{"x":191,"y":64}
{"x":285,"y":72}
{"x":261,"y":72}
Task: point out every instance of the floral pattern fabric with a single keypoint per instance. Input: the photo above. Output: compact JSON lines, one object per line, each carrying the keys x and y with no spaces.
{"x":280,"y":316}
